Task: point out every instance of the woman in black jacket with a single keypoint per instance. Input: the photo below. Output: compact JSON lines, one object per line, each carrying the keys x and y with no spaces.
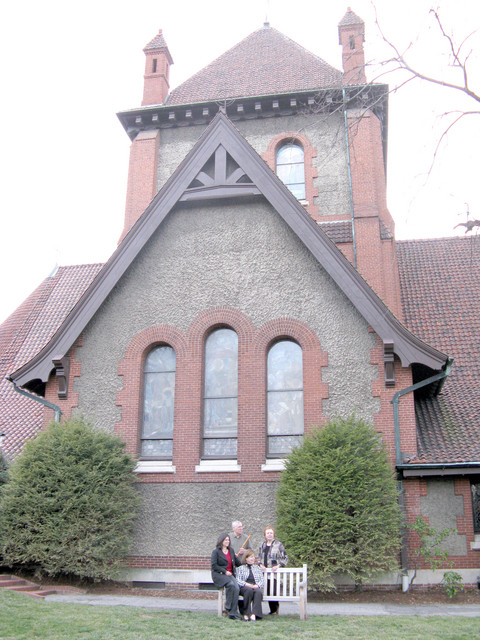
{"x":224,"y":562}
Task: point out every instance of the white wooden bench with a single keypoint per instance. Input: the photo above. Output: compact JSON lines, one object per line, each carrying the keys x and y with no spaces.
{"x":288,"y":585}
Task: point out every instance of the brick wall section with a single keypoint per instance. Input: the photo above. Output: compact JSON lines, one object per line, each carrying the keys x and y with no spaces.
{"x":383,"y":420}
{"x":311,"y":172}
{"x":142,"y":176}
{"x":376,"y":258}
{"x":253,"y":346}
{"x":353,"y":59}
{"x":415,"y":488}
{"x":155,"y":84}
{"x":169,"y":562}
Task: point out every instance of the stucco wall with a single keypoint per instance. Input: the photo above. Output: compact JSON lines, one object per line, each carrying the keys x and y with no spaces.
{"x":184,"y":529}
{"x":243,"y":257}
{"x":326,"y":134}
{"x":441,"y":506}
{"x":239,"y":256}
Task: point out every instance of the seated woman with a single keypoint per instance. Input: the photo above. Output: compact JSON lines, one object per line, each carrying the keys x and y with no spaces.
{"x":224,"y":561}
{"x":271,"y":556}
{"x":250,"y":581}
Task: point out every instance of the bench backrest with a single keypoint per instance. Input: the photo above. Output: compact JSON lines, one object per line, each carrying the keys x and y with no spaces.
{"x":285,"y":584}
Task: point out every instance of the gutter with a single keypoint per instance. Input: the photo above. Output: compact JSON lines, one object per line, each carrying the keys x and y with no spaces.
{"x":32,"y":396}
{"x":396,"y":399}
{"x":443,"y":469}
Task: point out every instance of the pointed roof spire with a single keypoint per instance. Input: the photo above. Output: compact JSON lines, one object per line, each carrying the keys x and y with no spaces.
{"x":350,"y":18}
{"x":157,"y":70}
{"x":158,"y":43}
{"x":351,"y":34}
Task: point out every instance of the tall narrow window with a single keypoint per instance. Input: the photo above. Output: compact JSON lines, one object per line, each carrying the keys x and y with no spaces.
{"x":290,"y":163}
{"x":158,"y":403}
{"x":476,"y":507}
{"x":220,"y":395}
{"x":284,"y":398}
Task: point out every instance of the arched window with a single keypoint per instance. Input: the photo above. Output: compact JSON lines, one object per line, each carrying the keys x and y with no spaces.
{"x":290,"y":164}
{"x":220,"y":399}
{"x":158,"y":403}
{"x":284,"y":398}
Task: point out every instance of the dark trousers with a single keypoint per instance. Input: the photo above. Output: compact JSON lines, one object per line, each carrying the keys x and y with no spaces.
{"x":231,"y":595}
{"x":252,"y":601}
{"x":273,"y":604}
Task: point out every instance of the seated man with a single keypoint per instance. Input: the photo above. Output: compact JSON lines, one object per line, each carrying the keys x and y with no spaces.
{"x":239,"y":540}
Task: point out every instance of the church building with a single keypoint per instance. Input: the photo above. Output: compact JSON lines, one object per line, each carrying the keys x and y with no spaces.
{"x":257,"y":291}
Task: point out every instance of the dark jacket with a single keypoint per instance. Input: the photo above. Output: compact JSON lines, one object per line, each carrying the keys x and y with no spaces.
{"x":219,"y":566}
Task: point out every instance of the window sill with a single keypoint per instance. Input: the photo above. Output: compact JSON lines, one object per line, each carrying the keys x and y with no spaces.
{"x":475,"y":545}
{"x":154,"y":466}
{"x":218,"y":466}
{"x":274,"y":464}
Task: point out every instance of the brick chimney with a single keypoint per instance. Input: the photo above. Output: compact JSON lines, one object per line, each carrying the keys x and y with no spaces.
{"x":157,"y":71}
{"x":351,"y":33}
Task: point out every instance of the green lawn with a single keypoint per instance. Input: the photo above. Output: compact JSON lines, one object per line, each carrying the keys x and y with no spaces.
{"x":22,"y":618}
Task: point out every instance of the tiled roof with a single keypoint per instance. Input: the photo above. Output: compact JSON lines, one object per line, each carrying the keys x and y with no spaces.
{"x":338,"y":232}
{"x":23,"y":334}
{"x":158,"y":42}
{"x":440,"y":288}
{"x":265,"y":62}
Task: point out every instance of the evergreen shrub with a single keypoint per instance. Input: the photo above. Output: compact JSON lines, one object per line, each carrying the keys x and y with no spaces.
{"x":70,"y":504}
{"x":3,"y":469}
{"x":337,"y":505}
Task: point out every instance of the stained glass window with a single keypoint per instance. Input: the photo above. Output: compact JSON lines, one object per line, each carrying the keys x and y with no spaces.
{"x":220,"y":395}
{"x":284,"y":397}
{"x":291,"y":168}
{"x":158,"y":403}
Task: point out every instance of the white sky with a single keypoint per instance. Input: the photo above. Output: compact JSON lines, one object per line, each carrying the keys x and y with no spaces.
{"x":67,"y":68}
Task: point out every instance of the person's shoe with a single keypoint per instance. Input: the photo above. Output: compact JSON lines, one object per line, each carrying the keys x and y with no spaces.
{"x":273,"y":613}
{"x":225,"y":613}
{"x":245,"y":618}
{"x":252,"y":617}
{"x":234,"y":616}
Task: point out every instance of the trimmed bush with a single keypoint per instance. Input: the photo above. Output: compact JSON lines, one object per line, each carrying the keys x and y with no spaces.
{"x":337,"y":505}
{"x":70,"y":504}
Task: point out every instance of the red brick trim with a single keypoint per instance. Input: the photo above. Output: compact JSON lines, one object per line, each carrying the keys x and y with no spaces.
{"x":189,"y":347}
{"x":169,"y":562}
{"x":131,"y":368}
{"x":51,"y":390}
{"x":314,"y":358}
{"x":311,"y":172}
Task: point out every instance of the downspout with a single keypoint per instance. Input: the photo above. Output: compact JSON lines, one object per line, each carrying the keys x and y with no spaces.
{"x":396,"y":399}
{"x":349,"y":169}
{"x":398,"y":455}
{"x":32,"y":396}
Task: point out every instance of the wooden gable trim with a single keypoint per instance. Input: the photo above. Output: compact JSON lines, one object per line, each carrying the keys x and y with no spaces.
{"x":221,"y":132}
